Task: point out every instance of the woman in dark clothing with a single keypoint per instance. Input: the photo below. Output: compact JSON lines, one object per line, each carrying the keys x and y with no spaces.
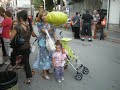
{"x":100,"y":25}
{"x":22,"y":27}
{"x":76,"y":26}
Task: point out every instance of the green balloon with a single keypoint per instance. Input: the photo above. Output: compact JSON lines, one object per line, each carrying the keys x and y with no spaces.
{"x":56,"y":18}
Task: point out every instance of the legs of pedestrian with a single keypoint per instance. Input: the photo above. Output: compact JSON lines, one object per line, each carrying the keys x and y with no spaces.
{"x":77,"y":32}
{"x":27,"y":68}
{"x":3,"y":47}
{"x":7,"y":50}
{"x":7,"y":45}
{"x":95,"y":31}
{"x":57,"y":73}
{"x":83,"y":33}
{"x":101,"y":33}
{"x":62,"y":73}
{"x":89,"y":32}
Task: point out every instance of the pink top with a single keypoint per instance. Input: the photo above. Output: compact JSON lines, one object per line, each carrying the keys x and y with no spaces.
{"x":59,"y":58}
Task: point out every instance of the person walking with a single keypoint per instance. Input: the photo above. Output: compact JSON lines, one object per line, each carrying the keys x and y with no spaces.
{"x":44,"y":57}
{"x":76,"y":26}
{"x":96,"y":18}
{"x":102,"y":17}
{"x":22,"y":27}
{"x":86,"y":26}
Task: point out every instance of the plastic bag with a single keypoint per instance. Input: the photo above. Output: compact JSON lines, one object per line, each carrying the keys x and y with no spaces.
{"x":50,"y":45}
{"x":56,"y":18}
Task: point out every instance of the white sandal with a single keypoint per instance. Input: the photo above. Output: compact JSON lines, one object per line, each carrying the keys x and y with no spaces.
{"x":46,"y":77}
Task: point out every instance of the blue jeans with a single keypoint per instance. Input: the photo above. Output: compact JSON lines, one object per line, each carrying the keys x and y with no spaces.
{"x":59,"y":71}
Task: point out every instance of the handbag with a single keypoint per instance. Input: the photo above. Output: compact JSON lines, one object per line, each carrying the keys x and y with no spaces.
{"x":50,"y":45}
{"x":17,"y":41}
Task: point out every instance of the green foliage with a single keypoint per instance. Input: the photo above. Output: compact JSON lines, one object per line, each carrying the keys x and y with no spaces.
{"x":49,"y":5}
{"x":37,"y":3}
{"x":58,"y":2}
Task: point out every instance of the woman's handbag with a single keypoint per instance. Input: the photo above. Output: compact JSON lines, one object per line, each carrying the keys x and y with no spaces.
{"x":50,"y":45}
{"x":17,"y":41}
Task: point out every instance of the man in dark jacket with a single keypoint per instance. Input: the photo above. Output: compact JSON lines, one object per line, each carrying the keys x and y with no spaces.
{"x":86,"y":26}
{"x":76,"y":26}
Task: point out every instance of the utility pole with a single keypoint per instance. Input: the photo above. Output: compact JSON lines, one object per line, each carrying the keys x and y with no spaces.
{"x":108,"y":12}
{"x":61,"y":4}
{"x":44,"y":4}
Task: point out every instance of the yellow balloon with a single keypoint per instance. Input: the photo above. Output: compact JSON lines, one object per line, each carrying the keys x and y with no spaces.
{"x":56,"y":18}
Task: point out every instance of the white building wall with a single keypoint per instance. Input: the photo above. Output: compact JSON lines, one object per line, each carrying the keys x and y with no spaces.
{"x":104,"y":4}
{"x":114,"y":12}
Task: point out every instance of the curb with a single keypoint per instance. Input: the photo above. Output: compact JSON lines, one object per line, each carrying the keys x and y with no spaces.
{"x":115,"y":40}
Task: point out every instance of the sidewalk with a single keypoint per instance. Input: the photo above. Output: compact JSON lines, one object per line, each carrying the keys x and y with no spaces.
{"x":113,"y":33}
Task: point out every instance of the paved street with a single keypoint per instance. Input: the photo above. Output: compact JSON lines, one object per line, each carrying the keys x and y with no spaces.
{"x":101,"y":57}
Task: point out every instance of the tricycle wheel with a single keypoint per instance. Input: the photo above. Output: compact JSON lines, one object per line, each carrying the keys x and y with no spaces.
{"x":78,"y":76}
{"x":85,"y":70}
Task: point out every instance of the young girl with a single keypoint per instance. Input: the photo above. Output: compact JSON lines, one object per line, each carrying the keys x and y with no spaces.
{"x":58,"y":59}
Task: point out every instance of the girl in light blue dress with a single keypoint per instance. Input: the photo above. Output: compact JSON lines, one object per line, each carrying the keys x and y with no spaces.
{"x":44,"y":57}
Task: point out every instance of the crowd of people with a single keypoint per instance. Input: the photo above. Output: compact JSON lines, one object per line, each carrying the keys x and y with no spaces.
{"x":87,"y":22}
{"x":21,"y":28}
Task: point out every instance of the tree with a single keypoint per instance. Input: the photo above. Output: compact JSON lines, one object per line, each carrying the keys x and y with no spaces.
{"x":49,"y":5}
{"x":37,"y":3}
{"x":92,"y":4}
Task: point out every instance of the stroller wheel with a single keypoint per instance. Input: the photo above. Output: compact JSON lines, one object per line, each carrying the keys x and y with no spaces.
{"x":79,"y":76}
{"x":85,"y":70}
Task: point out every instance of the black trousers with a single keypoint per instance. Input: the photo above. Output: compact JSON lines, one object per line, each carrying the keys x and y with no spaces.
{"x":3,"y":47}
{"x":25,"y":60}
{"x":86,"y":29}
{"x":76,"y":32}
{"x":101,"y":32}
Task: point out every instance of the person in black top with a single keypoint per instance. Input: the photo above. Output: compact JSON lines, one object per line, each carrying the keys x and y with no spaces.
{"x":86,"y":26}
{"x":102,"y":16}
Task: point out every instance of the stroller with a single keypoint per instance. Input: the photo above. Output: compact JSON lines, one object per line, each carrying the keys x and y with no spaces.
{"x":72,"y":57}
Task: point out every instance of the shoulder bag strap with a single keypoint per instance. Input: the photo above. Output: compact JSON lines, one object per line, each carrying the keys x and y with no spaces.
{"x":47,"y":33}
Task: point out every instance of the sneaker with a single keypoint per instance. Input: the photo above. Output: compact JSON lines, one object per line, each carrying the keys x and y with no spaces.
{"x":89,"y":39}
{"x":62,"y":78}
{"x":59,"y":80}
{"x":82,"y":38}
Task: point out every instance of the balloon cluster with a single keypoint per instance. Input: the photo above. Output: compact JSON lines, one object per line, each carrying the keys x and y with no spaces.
{"x":56,"y":18}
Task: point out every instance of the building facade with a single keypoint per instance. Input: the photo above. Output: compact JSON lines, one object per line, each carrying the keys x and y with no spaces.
{"x":113,"y":10}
